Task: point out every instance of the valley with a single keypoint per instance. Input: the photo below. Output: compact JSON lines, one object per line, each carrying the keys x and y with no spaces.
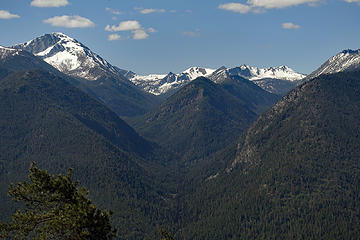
{"x":229,"y":153}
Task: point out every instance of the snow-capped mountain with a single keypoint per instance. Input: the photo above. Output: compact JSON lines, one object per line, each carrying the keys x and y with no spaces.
{"x":255,"y":73}
{"x":158,"y":84}
{"x":69,"y":56}
{"x":274,"y":79}
{"x":20,"y":60}
{"x":74,"y":59}
{"x":277,"y":80}
{"x":347,"y":60}
{"x":6,"y":53}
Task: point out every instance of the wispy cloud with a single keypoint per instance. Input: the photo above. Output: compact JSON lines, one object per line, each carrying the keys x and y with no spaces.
{"x":192,"y":34}
{"x":353,"y":1}
{"x":235,"y":7}
{"x":70,"y":21}
{"x":259,"y":6}
{"x":7,"y":15}
{"x":134,"y":26}
{"x":290,"y":25}
{"x":113,"y":11}
{"x":149,"y":10}
{"x":279,"y":3}
{"x":114,"y":37}
{"x":49,"y":3}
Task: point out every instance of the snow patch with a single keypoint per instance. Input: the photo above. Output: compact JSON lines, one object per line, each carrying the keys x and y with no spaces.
{"x":63,"y":61}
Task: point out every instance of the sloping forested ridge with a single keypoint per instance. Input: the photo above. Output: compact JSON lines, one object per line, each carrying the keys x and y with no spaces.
{"x":204,"y":117}
{"x":296,"y":174}
{"x":47,"y":120}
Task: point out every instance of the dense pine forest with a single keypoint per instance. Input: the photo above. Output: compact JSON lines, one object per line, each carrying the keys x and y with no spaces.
{"x":219,"y":157}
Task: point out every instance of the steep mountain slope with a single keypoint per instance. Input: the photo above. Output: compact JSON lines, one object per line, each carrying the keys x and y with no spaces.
{"x":347,"y":60}
{"x":249,"y":93}
{"x":203,"y":117}
{"x":296,"y":173}
{"x":14,"y":60}
{"x":92,"y":73}
{"x":276,"y":86}
{"x":47,"y":120}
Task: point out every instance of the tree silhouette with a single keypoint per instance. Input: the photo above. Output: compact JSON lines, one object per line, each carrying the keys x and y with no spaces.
{"x":55,"y":208}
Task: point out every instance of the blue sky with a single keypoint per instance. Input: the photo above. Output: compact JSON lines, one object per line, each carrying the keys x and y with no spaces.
{"x":160,"y":36}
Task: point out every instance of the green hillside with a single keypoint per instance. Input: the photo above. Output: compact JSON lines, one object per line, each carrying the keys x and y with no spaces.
{"x":47,"y":120}
{"x":203,"y":117}
{"x":296,"y":173}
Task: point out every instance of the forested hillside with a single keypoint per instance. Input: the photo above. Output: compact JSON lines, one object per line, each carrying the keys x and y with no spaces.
{"x":296,"y":173}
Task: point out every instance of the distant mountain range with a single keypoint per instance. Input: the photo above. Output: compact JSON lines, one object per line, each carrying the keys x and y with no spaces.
{"x":162,"y":84}
{"x":159,"y":84}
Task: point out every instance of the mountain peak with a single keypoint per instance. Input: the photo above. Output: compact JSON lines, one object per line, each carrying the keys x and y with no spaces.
{"x":60,"y":34}
{"x":158,"y":84}
{"x":350,"y":51}
{"x":346,"y":60}
{"x":69,"y":56}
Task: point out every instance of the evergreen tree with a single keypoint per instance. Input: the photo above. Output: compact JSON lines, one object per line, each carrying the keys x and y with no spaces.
{"x":55,"y":208}
{"x":165,"y":235}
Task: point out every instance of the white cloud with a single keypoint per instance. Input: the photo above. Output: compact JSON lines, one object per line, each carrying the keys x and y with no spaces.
{"x":351,"y":1}
{"x":7,"y":15}
{"x":140,"y":34}
{"x":69,"y":21}
{"x":290,"y":25}
{"x":151,"y":30}
{"x":278,"y":3}
{"x":149,"y":10}
{"x":235,"y":7}
{"x":134,"y":26}
{"x":49,"y":3}
{"x":124,"y":26}
{"x":114,"y":37}
{"x":260,"y":6}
